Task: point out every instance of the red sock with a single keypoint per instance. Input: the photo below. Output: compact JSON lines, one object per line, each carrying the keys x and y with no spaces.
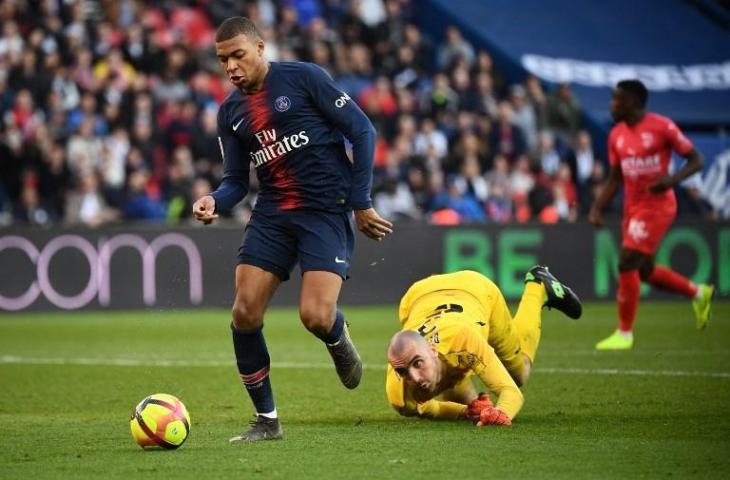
{"x":629,"y":288}
{"x":667,"y":279}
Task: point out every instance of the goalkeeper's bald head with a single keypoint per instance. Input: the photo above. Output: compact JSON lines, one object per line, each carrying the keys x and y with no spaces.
{"x":403,"y":346}
{"x":416,"y":362}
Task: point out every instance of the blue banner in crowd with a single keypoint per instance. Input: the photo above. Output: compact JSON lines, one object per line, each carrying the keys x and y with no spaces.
{"x":679,"y":53}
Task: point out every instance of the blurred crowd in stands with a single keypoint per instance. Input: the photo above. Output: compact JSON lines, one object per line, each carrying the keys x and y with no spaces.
{"x":108,"y":112}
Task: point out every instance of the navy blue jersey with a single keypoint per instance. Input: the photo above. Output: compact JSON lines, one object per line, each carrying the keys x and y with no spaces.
{"x":292,"y":131}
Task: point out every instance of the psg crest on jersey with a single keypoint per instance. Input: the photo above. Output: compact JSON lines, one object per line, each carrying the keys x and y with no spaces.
{"x":282,"y":103}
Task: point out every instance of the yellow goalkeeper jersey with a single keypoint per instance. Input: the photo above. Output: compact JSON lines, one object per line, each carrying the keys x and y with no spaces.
{"x":463,"y":315}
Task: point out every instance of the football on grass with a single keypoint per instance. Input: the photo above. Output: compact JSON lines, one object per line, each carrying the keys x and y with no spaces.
{"x":160,"y":421}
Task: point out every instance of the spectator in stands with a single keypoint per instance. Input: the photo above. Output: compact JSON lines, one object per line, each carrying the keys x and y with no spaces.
{"x":406,"y":73}
{"x":87,"y":110}
{"x":593,"y":186}
{"x":431,"y":143}
{"x":581,"y":159}
{"x":116,"y":93}
{"x":11,"y":43}
{"x":439,"y":97}
{"x":469,"y":180}
{"x":549,"y":157}
{"x":564,"y":113}
{"x":395,"y":167}
{"x":66,"y":88}
{"x":524,"y":116}
{"x":453,"y":48}
{"x":485,"y":65}
{"x":690,"y":199}
{"x":468,"y":148}
{"x":178,"y":185}
{"x":565,"y":194}
{"x":522,"y":181}
{"x":28,"y":76}
{"x":461,"y":83}
{"x":506,"y":139}
{"x":140,"y":204}
{"x":54,"y":179}
{"x":86,"y":205}
{"x":113,"y":165}
{"x":31,"y":210}
{"x":422,"y":47}
{"x":25,"y":115}
{"x":84,"y":149}
{"x":419,"y":185}
{"x":113,"y":70}
{"x":389,"y":34}
{"x":538,"y":100}
{"x":379,"y":103}
{"x":467,"y":207}
{"x":358,"y":74}
{"x":541,"y":197}
{"x":395,"y":201}
{"x":499,"y":205}
{"x":485,"y":98}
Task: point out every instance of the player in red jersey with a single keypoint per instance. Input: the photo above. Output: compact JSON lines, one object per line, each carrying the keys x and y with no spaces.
{"x":640,"y":151}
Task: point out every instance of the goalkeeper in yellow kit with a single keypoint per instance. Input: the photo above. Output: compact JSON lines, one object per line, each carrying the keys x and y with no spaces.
{"x":457,"y":325}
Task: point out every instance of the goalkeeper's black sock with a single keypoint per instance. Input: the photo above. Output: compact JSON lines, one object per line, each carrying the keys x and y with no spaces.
{"x":335,"y":332}
{"x":252,"y":359}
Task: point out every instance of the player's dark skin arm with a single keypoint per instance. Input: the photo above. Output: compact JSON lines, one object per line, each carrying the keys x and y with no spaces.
{"x":371,"y":224}
{"x":607,"y":193}
{"x":695,"y":162}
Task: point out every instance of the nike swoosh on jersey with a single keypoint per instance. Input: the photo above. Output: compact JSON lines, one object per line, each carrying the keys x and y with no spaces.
{"x":235,"y":127}
{"x":339,"y":260}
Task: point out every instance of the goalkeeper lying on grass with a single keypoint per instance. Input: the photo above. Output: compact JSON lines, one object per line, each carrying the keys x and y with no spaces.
{"x":458,"y":324}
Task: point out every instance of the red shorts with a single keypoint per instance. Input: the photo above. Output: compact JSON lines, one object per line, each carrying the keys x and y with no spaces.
{"x":644,"y":228}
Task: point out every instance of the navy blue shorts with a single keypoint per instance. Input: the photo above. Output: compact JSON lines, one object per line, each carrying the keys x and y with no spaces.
{"x":321,"y":241}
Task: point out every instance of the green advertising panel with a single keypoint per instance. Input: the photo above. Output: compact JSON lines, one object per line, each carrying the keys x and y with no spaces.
{"x":184,"y":268}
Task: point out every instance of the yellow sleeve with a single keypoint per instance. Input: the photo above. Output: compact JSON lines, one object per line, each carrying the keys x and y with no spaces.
{"x":441,"y":410}
{"x":394,"y":391}
{"x":404,"y":403}
{"x":476,"y":353}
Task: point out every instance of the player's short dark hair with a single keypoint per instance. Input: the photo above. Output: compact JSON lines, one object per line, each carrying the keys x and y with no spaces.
{"x":636,"y":89}
{"x":234,"y":26}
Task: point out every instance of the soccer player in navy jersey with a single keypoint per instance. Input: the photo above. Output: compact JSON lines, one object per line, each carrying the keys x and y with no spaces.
{"x":287,"y":119}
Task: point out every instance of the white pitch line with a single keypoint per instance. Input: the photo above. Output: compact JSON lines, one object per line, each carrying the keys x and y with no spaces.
{"x":130,"y":362}
{"x":642,"y":373}
{"x":643,"y":353}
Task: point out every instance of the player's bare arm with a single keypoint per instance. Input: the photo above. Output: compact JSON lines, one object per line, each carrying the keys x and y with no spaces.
{"x":607,"y":193}
{"x":371,"y":224}
{"x":204,"y":209}
{"x":695,"y":162}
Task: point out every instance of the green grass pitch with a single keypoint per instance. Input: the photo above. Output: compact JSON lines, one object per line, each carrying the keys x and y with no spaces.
{"x":68,"y":383}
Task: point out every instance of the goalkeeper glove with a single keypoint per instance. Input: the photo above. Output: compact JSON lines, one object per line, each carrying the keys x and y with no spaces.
{"x":477,"y":405}
{"x":493,"y":416}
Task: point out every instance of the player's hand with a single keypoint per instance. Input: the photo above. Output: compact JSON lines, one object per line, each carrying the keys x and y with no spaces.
{"x":595,"y":218}
{"x":371,"y":224}
{"x":661,"y":185}
{"x":474,"y":410}
{"x":204,"y":209}
{"x":493,"y":416}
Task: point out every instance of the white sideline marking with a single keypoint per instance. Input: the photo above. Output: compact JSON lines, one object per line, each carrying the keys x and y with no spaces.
{"x":645,"y":353}
{"x":641,"y":373}
{"x":130,"y":362}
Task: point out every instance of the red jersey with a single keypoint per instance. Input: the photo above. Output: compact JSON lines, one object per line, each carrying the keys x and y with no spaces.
{"x":643,"y":152}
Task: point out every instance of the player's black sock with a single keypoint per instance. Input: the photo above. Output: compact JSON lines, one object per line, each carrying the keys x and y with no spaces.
{"x":336,"y":331}
{"x":252,"y":358}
